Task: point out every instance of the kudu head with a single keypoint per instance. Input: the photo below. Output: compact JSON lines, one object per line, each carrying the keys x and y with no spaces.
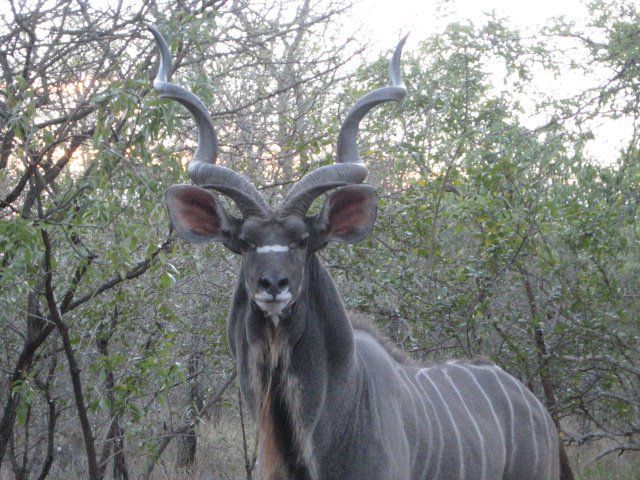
{"x":274,"y":242}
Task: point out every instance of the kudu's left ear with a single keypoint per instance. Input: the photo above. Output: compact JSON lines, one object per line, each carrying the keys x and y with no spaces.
{"x":198,"y":216}
{"x":348,"y":214}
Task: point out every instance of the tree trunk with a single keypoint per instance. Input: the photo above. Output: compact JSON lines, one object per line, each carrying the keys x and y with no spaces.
{"x":545,"y":373}
{"x":115,"y":436}
{"x":36,"y":337}
{"x":188,"y":441}
{"x":120,"y":470}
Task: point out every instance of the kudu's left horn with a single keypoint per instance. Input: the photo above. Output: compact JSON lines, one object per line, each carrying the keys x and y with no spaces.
{"x":202,"y":168}
{"x":349,"y":167}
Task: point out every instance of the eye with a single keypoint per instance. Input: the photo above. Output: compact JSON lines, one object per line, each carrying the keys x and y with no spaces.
{"x":302,"y":243}
{"x":247,"y":244}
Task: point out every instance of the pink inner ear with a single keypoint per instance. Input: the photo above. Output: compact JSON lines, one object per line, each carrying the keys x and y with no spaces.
{"x":347,"y":212}
{"x":195,"y":210}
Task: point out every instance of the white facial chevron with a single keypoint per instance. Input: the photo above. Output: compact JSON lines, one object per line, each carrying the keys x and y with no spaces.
{"x":272,"y":249}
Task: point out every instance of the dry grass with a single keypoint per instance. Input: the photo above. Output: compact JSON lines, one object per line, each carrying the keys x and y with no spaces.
{"x":220,"y":454}
{"x":220,"y":457}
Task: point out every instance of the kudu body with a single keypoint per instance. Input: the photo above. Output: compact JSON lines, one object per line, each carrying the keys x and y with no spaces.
{"x":330,"y":401}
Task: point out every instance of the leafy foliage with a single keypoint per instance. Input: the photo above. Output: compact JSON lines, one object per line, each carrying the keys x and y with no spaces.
{"x":494,"y":237}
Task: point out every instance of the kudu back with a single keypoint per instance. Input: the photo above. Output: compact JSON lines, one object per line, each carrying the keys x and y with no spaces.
{"x":330,"y":401}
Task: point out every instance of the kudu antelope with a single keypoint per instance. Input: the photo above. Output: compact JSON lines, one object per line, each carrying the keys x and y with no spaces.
{"x":330,"y":400}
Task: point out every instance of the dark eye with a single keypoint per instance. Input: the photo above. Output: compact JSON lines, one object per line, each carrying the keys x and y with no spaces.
{"x":247,"y":244}
{"x":302,"y":243}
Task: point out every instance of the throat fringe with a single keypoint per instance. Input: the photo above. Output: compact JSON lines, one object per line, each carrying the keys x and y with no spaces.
{"x":284,"y":447}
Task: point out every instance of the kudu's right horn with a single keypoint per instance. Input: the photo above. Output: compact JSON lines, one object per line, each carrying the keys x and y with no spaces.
{"x":349,"y":167}
{"x":202,"y":168}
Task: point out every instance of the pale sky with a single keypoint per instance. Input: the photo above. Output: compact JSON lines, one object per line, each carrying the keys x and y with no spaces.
{"x":384,"y":21}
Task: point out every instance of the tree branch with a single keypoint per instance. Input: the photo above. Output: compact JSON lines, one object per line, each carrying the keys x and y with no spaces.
{"x":167,"y":437}
{"x":74,"y":369}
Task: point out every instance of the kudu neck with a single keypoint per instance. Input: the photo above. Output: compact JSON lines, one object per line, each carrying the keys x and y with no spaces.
{"x":328,"y":313}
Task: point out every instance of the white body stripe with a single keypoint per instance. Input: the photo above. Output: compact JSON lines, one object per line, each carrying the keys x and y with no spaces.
{"x":405,"y":379}
{"x":272,"y":249}
{"x":536,"y":452}
{"x":483,"y":460}
{"x":471,"y":414}
{"x":453,"y":422}
{"x":546,"y":431}
{"x":511,"y":423}
{"x":490,"y":403}
{"x":437,"y":417}
{"x":413,"y":412}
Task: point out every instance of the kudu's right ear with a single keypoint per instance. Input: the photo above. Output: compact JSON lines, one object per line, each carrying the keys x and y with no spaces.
{"x":199,"y":217}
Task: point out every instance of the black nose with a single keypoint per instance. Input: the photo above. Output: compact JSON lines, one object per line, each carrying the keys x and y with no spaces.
{"x":273,"y":284}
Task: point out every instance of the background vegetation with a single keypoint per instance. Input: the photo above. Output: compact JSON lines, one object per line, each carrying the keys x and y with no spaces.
{"x":495,"y":237}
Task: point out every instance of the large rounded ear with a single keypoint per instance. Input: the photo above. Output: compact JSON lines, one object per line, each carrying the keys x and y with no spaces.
{"x":198,"y":216}
{"x":348,"y":214}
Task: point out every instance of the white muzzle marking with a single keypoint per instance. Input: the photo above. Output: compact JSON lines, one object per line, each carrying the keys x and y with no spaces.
{"x":272,"y":249}
{"x":273,"y":306}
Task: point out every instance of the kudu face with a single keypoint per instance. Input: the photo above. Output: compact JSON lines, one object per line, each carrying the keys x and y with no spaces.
{"x":274,"y":253}
{"x":274,"y":243}
{"x":274,"y":248}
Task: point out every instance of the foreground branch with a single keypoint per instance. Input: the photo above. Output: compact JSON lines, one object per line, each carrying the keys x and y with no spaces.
{"x":74,"y":369}
{"x":135,"y":272}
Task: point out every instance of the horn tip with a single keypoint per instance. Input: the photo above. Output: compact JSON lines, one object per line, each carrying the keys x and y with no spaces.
{"x":400,"y":46}
{"x":394,"y":66}
{"x":165,"y":64}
